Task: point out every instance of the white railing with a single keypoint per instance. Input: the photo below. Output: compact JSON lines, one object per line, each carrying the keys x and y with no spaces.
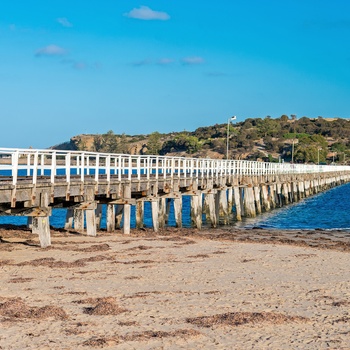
{"x":62,"y":165}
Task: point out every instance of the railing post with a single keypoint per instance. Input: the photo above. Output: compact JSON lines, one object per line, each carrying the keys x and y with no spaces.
{"x":129,"y":167}
{"x":14,"y":166}
{"x":82,"y":167}
{"x":108,"y":168}
{"x":97,"y":166}
{"x":35,"y":167}
{"x":28,"y":164}
{"x":53,"y":167}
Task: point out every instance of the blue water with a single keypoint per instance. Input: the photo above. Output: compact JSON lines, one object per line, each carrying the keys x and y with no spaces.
{"x":59,"y":215}
{"x":326,"y":210}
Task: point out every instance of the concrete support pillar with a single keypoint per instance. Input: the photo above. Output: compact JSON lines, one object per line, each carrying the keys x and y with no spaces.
{"x":210,"y":198}
{"x":257,"y":199}
{"x":79,"y":220}
{"x":69,"y":219}
{"x":155,"y":216}
{"x":285,"y":193}
{"x":196,"y":210}
{"x":41,"y":226}
{"x":127,"y":210}
{"x":119,"y":209}
{"x":139,"y":214}
{"x":265,"y":198}
{"x":295,"y":191}
{"x":230,"y":201}
{"x":307,"y":188}
{"x":127,"y":219}
{"x":272,"y":195}
{"x":29,"y":222}
{"x":301,"y":189}
{"x":223,"y":207}
{"x":98,"y":216}
{"x":290,"y":192}
{"x":110,"y":217}
{"x":178,"y":211}
{"x":278,"y":194}
{"x":162,"y":212}
{"x":249,"y":202}
{"x":90,"y":222}
{"x":167,"y":211}
{"x":237,"y":202}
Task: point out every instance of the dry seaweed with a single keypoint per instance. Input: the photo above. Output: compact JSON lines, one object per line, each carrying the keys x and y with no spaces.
{"x":17,"y":309}
{"x":241,"y":318}
{"x":104,"y":306}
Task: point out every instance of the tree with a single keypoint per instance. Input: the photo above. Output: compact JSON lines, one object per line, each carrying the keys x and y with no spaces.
{"x":154,"y":145}
{"x":98,"y":143}
{"x":110,"y":142}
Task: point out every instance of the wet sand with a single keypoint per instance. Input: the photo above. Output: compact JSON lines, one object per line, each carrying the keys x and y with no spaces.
{"x":179,"y":289}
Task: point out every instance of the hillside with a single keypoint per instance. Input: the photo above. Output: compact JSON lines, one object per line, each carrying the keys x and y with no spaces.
{"x":305,"y":140}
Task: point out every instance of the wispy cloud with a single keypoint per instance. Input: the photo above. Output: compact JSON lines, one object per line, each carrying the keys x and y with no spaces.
{"x":64,"y":22}
{"x":77,"y":65}
{"x":165,"y":61}
{"x":51,"y":50}
{"x":192,"y":60}
{"x":140,"y":63}
{"x":147,"y":14}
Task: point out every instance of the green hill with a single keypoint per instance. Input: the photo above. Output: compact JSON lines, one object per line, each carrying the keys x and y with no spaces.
{"x":306,"y":140}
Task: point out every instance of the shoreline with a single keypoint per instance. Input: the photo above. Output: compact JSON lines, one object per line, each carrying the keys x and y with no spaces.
{"x":178,"y":289}
{"x":316,"y":238}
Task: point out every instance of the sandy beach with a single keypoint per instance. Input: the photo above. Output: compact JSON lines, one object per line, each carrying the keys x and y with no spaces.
{"x":179,"y":289}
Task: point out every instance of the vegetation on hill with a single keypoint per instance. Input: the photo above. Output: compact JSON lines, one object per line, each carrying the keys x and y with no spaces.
{"x":286,"y":139}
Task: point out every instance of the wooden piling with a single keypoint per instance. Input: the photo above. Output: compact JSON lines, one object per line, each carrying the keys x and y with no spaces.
{"x":196,"y":210}
{"x":139,"y":214}
{"x":257,"y":199}
{"x":178,"y":211}
{"x":155,"y":216}
{"x":249,"y":202}
{"x":110,"y":217}
{"x":237,"y":202}
{"x":127,"y":210}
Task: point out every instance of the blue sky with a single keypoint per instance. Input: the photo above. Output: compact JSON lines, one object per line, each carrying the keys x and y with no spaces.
{"x":72,"y":67}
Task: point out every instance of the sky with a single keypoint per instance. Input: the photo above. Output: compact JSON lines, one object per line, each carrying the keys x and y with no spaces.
{"x":70,"y":67}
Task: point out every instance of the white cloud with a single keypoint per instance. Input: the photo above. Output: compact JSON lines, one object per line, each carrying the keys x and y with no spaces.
{"x":51,"y":50}
{"x":147,"y":14}
{"x":64,"y":22}
{"x":192,"y":60}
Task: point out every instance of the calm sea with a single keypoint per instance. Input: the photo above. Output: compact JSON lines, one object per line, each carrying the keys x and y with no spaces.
{"x":327,"y":210}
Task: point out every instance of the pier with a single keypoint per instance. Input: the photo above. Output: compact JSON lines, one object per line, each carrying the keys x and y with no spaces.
{"x":33,"y":182}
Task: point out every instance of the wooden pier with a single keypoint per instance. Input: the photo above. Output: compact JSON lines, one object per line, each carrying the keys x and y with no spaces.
{"x":32,"y":182}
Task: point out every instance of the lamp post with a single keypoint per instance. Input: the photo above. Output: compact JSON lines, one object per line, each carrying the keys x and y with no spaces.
{"x":294,"y":118}
{"x":318,"y":155}
{"x":229,"y":120}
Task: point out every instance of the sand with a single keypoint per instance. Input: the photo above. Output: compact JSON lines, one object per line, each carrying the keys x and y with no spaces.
{"x":180,"y":289}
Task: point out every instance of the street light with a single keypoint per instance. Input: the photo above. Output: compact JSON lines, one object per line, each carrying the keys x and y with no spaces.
{"x":229,"y":120}
{"x":294,"y":118}
{"x":318,"y":155}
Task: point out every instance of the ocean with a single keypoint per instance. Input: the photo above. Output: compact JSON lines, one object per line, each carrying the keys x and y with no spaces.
{"x":328,"y":210}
